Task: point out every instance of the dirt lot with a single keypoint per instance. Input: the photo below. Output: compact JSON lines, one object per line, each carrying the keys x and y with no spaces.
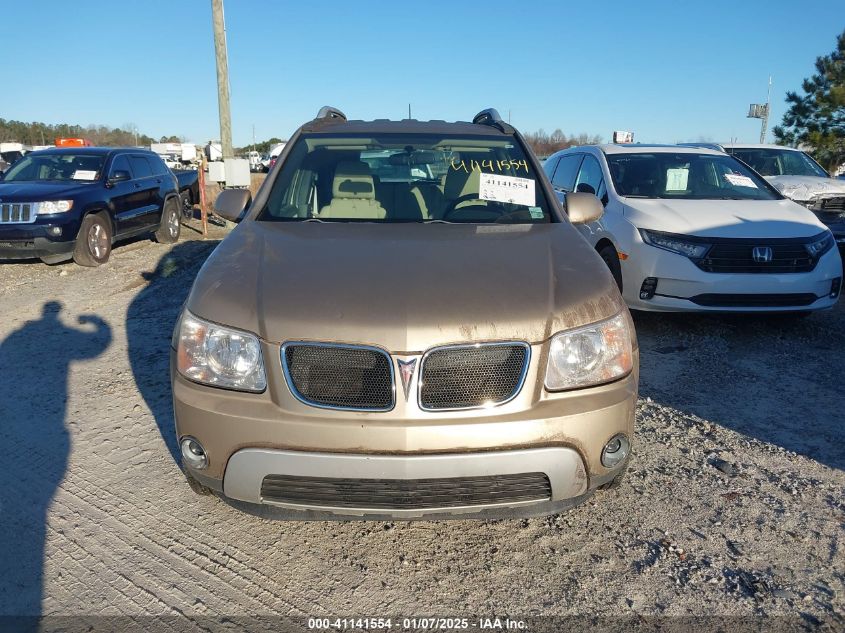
{"x":735,"y":504}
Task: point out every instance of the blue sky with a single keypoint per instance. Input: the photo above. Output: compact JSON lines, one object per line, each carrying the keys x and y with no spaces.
{"x":669,"y":71}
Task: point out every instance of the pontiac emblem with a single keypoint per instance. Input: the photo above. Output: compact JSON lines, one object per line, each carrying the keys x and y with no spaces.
{"x":406,"y":372}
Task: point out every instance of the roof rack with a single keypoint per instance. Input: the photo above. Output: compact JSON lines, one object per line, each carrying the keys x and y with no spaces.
{"x":328,"y":112}
{"x":491,"y":117}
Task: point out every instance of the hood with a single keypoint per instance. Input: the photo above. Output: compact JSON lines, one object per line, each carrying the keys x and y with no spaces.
{"x":403,"y":287}
{"x":724,"y":218}
{"x":36,"y":191}
{"x":807,"y":188}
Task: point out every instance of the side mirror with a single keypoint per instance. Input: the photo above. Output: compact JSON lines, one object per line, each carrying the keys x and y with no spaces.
{"x":583,"y":208}
{"x":231,"y":203}
{"x":119,"y":175}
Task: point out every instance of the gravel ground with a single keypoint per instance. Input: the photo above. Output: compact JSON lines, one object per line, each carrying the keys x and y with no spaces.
{"x":735,"y":502}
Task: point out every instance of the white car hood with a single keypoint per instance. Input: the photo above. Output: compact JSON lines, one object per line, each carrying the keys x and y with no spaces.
{"x":807,"y":188}
{"x":723,"y":218}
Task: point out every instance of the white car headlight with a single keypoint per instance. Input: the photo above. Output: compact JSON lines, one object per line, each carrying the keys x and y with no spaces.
{"x":590,"y":355}
{"x":679,"y":244}
{"x":821,"y":245}
{"x":52,"y":206}
{"x":219,"y":356}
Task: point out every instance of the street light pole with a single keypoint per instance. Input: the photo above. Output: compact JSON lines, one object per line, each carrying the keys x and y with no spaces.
{"x":222,"y":78}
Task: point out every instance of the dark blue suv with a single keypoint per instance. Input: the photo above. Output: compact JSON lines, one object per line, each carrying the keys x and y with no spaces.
{"x":58,"y":204}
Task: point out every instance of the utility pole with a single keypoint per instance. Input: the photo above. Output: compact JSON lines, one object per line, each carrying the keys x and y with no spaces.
{"x":222,"y":78}
{"x":765,"y":122}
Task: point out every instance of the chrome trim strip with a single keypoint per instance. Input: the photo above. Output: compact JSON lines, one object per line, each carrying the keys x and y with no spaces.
{"x":292,"y":388}
{"x":247,"y":468}
{"x":520,"y":384}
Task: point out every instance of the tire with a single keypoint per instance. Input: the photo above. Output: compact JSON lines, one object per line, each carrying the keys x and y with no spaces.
{"x":93,"y":242}
{"x":611,"y":258}
{"x":187,"y":205}
{"x":171,"y":222}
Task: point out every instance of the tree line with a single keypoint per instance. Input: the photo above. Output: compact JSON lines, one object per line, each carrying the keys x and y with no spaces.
{"x":544,"y":144}
{"x":36,"y":133}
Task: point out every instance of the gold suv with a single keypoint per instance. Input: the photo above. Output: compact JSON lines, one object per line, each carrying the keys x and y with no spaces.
{"x":405,"y":324}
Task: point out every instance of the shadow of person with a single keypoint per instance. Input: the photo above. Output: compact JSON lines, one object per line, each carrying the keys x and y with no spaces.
{"x":34,"y":442}
{"x":149,"y":327}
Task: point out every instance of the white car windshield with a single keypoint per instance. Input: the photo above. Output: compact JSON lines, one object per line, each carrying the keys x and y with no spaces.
{"x":686,"y":175}
{"x":769,"y":161}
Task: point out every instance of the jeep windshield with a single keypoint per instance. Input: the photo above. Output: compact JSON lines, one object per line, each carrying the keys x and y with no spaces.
{"x":407,"y":178}
{"x":769,"y":161}
{"x":56,"y":167}
{"x":686,"y":176}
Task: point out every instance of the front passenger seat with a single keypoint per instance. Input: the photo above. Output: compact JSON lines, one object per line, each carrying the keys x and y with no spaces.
{"x":353,"y":194}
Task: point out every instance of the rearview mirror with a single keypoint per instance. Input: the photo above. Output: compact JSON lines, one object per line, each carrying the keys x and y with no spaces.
{"x":583,"y":208}
{"x":231,"y":204}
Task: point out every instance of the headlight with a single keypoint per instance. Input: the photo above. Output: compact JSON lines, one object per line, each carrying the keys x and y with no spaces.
{"x":219,"y":356}
{"x":590,"y":355}
{"x":52,"y":206}
{"x":675,"y":243}
{"x":820,"y":246}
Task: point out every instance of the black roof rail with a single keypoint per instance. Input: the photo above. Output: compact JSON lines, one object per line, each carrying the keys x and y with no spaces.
{"x":491,"y":117}
{"x":328,"y":112}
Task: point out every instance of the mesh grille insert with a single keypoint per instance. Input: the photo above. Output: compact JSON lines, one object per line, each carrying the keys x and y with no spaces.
{"x":339,"y":377}
{"x":464,"y":377}
{"x":406,"y":494}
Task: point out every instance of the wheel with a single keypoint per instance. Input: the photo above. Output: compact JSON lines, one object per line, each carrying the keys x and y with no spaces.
{"x":93,"y":242}
{"x":611,"y":258}
{"x":187,"y":206}
{"x":171,"y":223}
{"x":196,"y":486}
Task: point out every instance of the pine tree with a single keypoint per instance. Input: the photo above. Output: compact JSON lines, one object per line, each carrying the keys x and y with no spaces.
{"x":817,"y":118}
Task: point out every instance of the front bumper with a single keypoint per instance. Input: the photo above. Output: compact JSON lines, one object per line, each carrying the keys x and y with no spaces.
{"x":684,"y":287}
{"x":250,"y":436}
{"x":28,"y":241}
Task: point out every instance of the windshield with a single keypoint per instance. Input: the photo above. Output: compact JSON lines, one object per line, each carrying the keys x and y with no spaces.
{"x":407,"y":178}
{"x":686,"y":176}
{"x":56,"y":167}
{"x":768,"y":161}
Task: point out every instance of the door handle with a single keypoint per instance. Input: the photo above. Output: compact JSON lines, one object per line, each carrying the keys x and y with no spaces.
{"x":137,"y":185}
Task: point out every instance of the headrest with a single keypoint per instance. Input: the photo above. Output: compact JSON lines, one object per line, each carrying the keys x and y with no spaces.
{"x":460,"y":183}
{"x":353,"y":180}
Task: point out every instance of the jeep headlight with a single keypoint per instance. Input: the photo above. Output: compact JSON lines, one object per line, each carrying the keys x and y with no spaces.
{"x":52,"y":206}
{"x":219,"y":356}
{"x":590,"y":355}
{"x":679,"y":244}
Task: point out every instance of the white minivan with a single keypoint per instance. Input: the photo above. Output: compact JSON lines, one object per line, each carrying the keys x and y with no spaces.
{"x":692,"y":229}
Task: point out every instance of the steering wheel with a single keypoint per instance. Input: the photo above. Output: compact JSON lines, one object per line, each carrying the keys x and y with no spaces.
{"x":452,"y":208}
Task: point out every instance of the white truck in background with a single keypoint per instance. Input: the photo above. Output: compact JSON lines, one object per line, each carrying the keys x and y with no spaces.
{"x":177,"y":155}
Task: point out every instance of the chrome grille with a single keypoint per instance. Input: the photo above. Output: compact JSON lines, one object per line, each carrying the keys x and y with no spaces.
{"x":339,"y":376}
{"x":406,"y":494}
{"x":469,"y":376}
{"x":16,"y":213}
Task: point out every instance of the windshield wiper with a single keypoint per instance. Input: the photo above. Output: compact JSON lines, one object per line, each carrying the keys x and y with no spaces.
{"x":314,"y":220}
{"x":437,"y":222}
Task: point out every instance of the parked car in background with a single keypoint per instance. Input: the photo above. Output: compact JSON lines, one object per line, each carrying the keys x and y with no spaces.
{"x":450,"y":351}
{"x":65,"y":203}
{"x":272,"y":155}
{"x":693,"y":229}
{"x":800,"y":178}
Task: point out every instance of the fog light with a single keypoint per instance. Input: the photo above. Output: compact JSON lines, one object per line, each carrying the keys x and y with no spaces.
{"x":648,"y":288}
{"x":193,"y":453}
{"x":835,"y":287}
{"x":55,"y":231}
{"x":615,"y":451}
